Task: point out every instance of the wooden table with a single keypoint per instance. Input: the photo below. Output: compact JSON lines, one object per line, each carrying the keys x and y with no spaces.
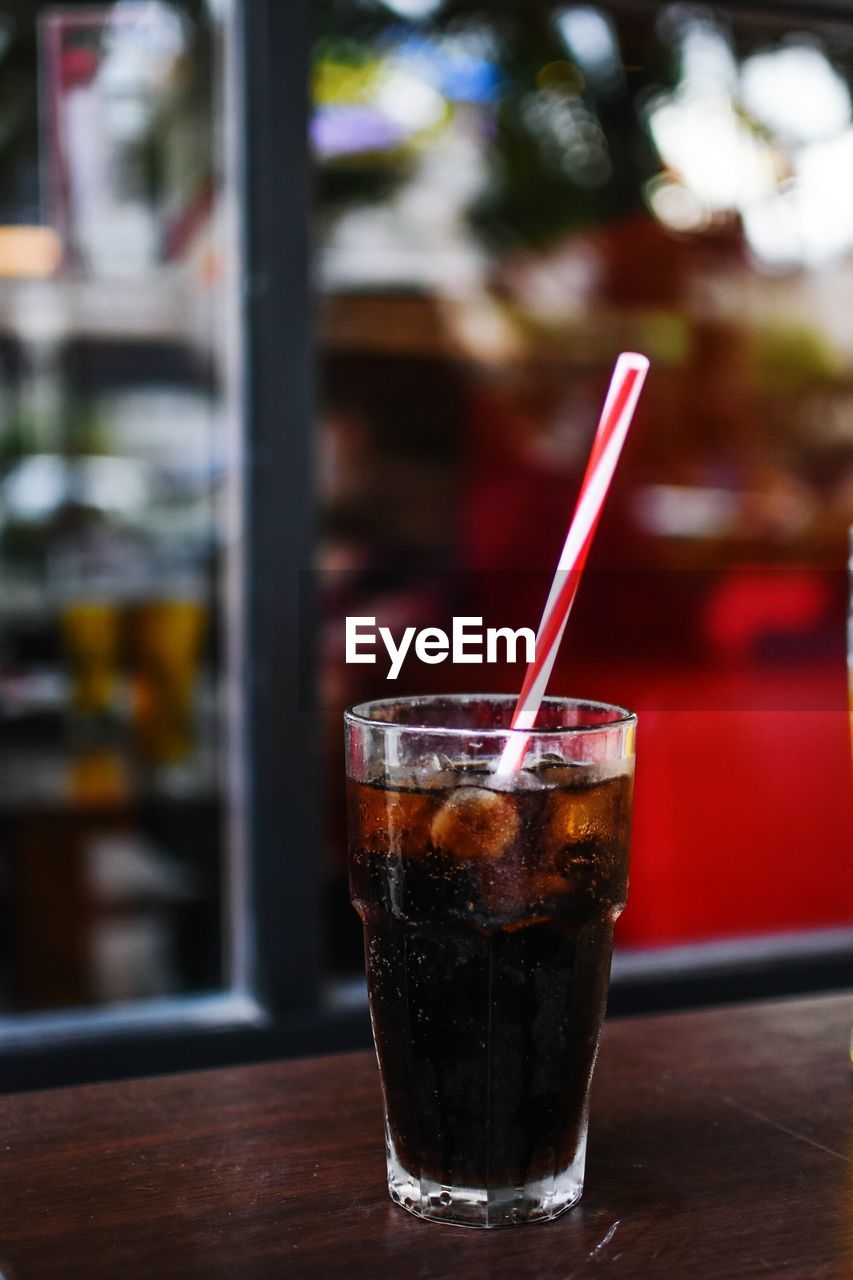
{"x":720,"y":1147}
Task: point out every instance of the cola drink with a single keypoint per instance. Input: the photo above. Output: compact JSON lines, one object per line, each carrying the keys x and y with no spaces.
{"x":488,"y":908}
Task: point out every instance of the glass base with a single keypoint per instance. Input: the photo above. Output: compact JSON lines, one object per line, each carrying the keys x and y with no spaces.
{"x":537,"y":1201}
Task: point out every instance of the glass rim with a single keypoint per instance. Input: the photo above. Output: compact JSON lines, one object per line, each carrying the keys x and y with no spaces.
{"x":360,"y":714}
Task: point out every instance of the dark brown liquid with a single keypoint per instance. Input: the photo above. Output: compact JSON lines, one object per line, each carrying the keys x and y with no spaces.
{"x":488,"y":924}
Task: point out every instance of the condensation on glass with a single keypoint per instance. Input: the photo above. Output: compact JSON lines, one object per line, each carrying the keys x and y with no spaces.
{"x":116,"y":508}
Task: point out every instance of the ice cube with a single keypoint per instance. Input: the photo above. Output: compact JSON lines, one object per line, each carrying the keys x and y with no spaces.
{"x":549,"y":757}
{"x":441,"y":763}
{"x":577,"y":817}
{"x":439,"y":772}
{"x":471,"y":768}
{"x":500,"y":887}
{"x":393,"y":822}
{"x":550,"y":769}
{"x":476,"y":824}
{"x":550,"y":885}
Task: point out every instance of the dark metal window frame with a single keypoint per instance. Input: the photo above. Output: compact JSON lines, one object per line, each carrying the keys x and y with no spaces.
{"x":278,"y":1003}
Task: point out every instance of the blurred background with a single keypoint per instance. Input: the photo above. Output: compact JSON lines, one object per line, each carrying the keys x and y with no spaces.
{"x":505,"y":195}
{"x":111,"y":497}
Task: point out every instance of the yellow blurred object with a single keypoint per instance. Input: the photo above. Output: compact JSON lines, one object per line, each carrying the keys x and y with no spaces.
{"x":166,"y":640}
{"x":98,"y":777}
{"x":29,"y":252}
{"x":91,"y":634}
{"x":347,"y":82}
{"x":562,"y":78}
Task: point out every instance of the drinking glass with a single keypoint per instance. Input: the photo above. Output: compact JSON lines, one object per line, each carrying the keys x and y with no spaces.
{"x":488,"y":906}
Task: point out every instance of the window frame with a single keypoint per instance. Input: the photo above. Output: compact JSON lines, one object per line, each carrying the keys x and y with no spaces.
{"x":277,"y":1003}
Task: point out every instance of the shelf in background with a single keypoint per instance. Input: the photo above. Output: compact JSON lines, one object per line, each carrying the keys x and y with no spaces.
{"x":167,"y":307}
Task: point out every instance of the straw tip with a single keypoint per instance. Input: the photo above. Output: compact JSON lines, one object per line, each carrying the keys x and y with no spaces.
{"x":635,"y":359}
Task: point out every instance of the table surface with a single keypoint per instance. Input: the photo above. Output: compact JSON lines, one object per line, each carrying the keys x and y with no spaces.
{"x":720,"y":1147}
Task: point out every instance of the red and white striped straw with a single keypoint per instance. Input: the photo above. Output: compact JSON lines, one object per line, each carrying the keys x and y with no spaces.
{"x":623,"y":393}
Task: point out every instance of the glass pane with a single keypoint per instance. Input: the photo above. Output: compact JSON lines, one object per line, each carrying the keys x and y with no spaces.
{"x":112,"y":487}
{"x":507,"y":196}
